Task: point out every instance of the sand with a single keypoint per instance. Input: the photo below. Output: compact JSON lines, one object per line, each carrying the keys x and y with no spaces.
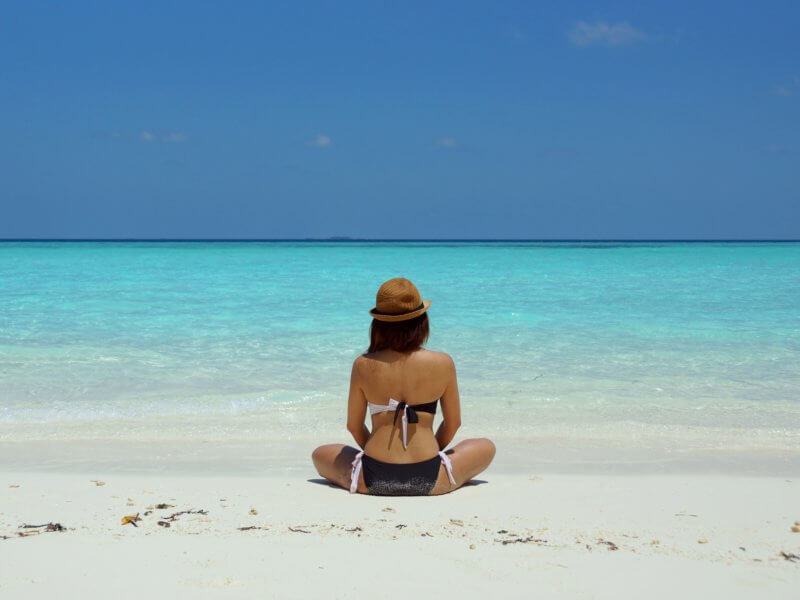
{"x":293,"y":536}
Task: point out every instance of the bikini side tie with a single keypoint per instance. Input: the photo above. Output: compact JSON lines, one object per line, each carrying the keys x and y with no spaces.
{"x":355,"y":471}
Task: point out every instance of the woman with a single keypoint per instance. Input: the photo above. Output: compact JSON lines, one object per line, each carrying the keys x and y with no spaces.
{"x":401,"y":382}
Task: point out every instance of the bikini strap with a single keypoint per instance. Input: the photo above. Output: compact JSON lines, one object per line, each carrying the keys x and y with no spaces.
{"x":355,"y":471}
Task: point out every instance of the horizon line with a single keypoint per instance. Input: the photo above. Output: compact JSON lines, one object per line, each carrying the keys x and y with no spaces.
{"x":345,"y":239}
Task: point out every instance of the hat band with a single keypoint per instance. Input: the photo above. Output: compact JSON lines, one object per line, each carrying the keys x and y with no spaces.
{"x":380,"y":312}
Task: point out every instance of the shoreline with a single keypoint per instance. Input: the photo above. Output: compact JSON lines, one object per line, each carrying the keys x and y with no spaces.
{"x":284,"y":457}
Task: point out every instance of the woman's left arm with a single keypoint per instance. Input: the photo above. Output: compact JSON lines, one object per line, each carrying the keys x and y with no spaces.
{"x":357,"y":409}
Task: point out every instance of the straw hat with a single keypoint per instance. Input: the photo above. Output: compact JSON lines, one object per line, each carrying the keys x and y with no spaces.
{"x":398,"y":300}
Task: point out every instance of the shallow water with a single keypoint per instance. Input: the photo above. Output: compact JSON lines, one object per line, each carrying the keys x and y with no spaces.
{"x":683,"y":344}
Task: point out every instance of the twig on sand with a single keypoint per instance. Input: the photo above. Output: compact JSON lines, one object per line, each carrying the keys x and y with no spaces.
{"x":249,"y":527}
{"x":790,"y":557}
{"x":298,"y":530}
{"x":37,"y":529}
{"x":47,"y":526}
{"x":354,"y":530}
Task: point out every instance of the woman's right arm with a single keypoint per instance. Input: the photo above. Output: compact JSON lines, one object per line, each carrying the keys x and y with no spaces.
{"x":451,"y":408}
{"x":357,"y":409}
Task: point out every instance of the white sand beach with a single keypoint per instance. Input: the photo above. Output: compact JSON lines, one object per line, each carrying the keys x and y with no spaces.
{"x":510,"y":535}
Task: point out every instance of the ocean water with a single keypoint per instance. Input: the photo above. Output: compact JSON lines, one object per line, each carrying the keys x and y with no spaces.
{"x":685,"y":345}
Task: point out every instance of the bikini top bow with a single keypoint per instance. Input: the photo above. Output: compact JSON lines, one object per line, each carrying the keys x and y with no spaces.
{"x":401,"y":409}
{"x":409,"y":415}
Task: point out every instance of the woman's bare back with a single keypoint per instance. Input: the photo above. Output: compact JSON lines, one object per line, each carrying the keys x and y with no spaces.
{"x":415,"y":378}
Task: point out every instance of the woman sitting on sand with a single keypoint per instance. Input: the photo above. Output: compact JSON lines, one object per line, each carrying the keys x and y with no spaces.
{"x":401,"y":382}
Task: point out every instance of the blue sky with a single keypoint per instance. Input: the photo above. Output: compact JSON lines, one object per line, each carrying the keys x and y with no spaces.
{"x":400,"y":119}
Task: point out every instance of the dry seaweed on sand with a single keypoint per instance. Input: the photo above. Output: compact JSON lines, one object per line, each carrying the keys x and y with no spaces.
{"x":790,"y":557}
{"x":611,"y":545}
{"x":528,"y":540}
{"x":164,"y":524}
{"x":250,"y":527}
{"x":37,"y":529}
{"x":174,"y":516}
{"x":164,"y":506}
{"x":354,"y":530}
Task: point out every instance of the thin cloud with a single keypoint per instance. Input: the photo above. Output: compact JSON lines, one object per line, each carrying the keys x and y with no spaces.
{"x":787,"y":89}
{"x":602,"y":33}
{"x":448,"y":143}
{"x":321,"y":141}
{"x":173,"y":137}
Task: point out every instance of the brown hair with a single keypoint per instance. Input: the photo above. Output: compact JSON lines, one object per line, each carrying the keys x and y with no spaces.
{"x":402,"y":336}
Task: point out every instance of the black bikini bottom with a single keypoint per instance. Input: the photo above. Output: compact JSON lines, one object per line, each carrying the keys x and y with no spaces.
{"x":388,"y":479}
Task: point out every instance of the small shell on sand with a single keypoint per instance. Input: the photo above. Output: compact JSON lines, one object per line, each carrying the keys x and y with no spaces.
{"x":796,"y":528}
{"x":702,"y":541}
{"x":253,"y":512}
{"x":472,"y":546}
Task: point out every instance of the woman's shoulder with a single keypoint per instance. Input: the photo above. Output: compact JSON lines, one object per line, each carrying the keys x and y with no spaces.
{"x":421,"y":356}
{"x":442,"y":357}
{"x":438,"y":360}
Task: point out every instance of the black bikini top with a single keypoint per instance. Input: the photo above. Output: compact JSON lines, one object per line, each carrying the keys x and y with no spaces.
{"x":428,"y":407}
{"x":411,"y":411}
{"x":401,"y":408}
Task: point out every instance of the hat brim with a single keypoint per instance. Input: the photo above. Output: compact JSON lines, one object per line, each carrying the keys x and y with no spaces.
{"x":402,"y":317}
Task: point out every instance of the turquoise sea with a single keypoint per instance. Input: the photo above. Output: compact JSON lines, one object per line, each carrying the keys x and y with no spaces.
{"x":684,"y":346}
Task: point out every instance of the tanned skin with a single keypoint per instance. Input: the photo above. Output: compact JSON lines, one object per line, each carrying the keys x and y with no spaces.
{"x":416,"y":377}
